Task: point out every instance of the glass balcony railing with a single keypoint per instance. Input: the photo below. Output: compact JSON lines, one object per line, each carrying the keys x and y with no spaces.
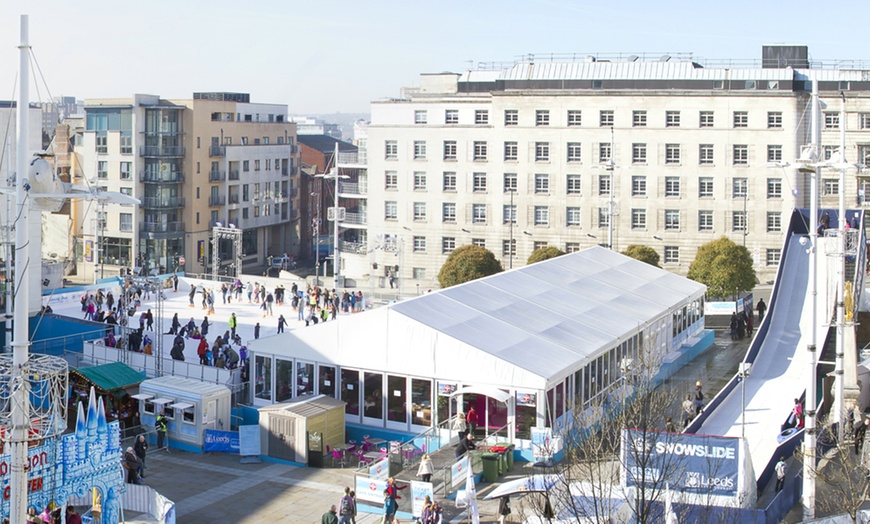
{"x":234,"y":174}
{"x":161,"y":151}
{"x":217,"y":176}
{"x":217,"y":151}
{"x":161,"y":227}
{"x":162,"y":202}
{"x":217,"y":200}
{"x":157,"y":177}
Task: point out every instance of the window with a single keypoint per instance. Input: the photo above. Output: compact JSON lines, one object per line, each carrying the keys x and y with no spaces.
{"x":575,"y":117}
{"x":772,"y":257}
{"x":126,"y":170}
{"x":509,"y":214}
{"x":510,"y":151}
{"x":419,"y":244}
{"x":605,"y":118}
{"x":572,"y":184}
{"x":420,"y":116}
{"x":510,"y":182}
{"x":419,"y":211}
{"x":391,"y":149}
{"x":102,"y":142}
{"x":542,"y":117}
{"x":774,"y":120}
{"x":480,"y":151}
{"x":391,"y":180}
{"x":451,"y":116}
{"x":830,"y":186}
{"x":391,"y":210}
{"x":672,"y":119}
{"x":705,"y":187}
{"x":574,"y":151}
{"x":638,"y":185}
{"x":542,"y":215}
{"x":605,"y":152}
{"x":509,"y":248}
{"x":638,"y":118}
{"x":511,"y":117}
{"x":481,"y":117}
{"x":102,"y":169}
{"x":739,"y":187}
{"x":705,"y":154}
{"x":478,"y":213}
{"x":419,"y":150}
{"x":672,"y":255}
{"x":448,"y":181}
{"x":448,"y":212}
{"x":572,"y":247}
{"x":603,"y":185}
{"x":638,"y":219}
{"x":774,"y":221}
{"x":638,"y":153}
{"x":863,"y":154}
{"x":741,"y":155}
{"x":738,"y":221}
{"x":864,"y":120}
{"x":542,"y":183}
{"x":450,"y":150}
{"x":774,"y":153}
{"x":832,"y":120}
{"x":572,"y":216}
{"x":478,"y":182}
{"x":705,"y":119}
{"x":542,"y":151}
{"x":672,"y":153}
{"x":828,"y":151}
{"x":741,"y":119}
{"x":126,"y":222}
{"x":480,"y":242}
{"x":419,"y":181}
{"x":774,"y":188}
{"x":672,"y":186}
{"x":705,"y":220}
{"x":448,"y":244}
{"x":256,"y":165}
{"x":672,"y":219}
{"x":603,"y":217}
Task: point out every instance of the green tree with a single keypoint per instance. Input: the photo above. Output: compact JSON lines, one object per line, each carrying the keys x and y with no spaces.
{"x":545,"y":253}
{"x":468,"y":263}
{"x":642,"y":253}
{"x":724,"y":267}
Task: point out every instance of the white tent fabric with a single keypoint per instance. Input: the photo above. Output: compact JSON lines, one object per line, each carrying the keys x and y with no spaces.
{"x":527,"y":327}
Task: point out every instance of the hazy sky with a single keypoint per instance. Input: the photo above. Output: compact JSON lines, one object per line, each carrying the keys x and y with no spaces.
{"x":323,"y":56}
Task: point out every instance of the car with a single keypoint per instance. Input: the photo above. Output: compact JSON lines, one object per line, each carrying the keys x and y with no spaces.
{"x":283,"y":262}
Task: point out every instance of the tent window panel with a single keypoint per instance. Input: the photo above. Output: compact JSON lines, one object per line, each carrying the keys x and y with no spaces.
{"x":283,"y":380}
{"x":148,"y":407}
{"x":526,"y":416}
{"x":397,"y":391}
{"x":446,"y":407}
{"x":550,"y":397}
{"x":421,"y":402}
{"x":374,"y":395}
{"x":263,"y":377}
{"x":304,"y":379}
{"x":326,"y":385}
{"x":350,"y":391}
{"x":560,"y":400}
{"x":496,"y":413}
{"x":578,"y":389}
{"x":187,"y":416}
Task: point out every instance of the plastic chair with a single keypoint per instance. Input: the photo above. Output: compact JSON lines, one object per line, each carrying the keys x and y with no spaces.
{"x":363,"y":459}
{"x":338,"y":454}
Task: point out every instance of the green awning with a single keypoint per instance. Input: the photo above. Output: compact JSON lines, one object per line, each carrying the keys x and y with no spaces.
{"x":110,"y":377}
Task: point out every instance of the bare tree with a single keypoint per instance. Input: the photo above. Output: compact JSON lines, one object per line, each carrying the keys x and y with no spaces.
{"x":842,"y":473}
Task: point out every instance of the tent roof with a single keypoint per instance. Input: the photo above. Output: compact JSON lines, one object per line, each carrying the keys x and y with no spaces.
{"x":524,"y":327}
{"x":308,"y":407}
{"x":110,"y":377}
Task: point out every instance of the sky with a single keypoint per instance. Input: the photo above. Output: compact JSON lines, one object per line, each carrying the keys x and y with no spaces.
{"x":327,"y":56}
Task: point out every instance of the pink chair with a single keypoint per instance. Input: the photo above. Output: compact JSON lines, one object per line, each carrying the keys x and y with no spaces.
{"x":338,"y":455}
{"x":362,"y":459}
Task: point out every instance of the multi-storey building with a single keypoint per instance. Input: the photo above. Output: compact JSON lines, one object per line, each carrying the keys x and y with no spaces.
{"x":537,"y":154}
{"x":215,"y":160}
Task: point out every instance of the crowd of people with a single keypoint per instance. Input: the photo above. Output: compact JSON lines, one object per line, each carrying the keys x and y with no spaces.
{"x":345,"y":512}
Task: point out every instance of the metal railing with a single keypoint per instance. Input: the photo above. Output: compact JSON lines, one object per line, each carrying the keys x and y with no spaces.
{"x":355,"y":218}
{"x":161,"y":151}
{"x":359,"y":157}
{"x":168,"y":227}
{"x":352,"y":188}
{"x":162,"y":203}
{"x":234,"y":174}
{"x":149,"y":177}
{"x":354,"y":247}
{"x":64,"y":344}
{"x":234,"y":199}
{"x":217,"y":176}
{"x":217,"y":151}
{"x":217,"y":200}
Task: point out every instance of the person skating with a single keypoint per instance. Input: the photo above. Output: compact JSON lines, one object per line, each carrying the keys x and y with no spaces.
{"x":233,"y":322}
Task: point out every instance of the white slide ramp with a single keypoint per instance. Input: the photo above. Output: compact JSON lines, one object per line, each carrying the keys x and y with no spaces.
{"x":780,"y":371}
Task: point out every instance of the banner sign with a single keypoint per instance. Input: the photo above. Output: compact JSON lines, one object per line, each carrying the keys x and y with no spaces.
{"x":369,"y":489}
{"x":458,"y":471}
{"x":542,"y":442}
{"x":221,"y":441}
{"x":380,"y":469}
{"x":697,"y":464}
{"x":249,"y":440}
{"x":89,"y":250}
{"x":526,"y":399}
{"x":419,"y":491}
{"x":445,"y":389}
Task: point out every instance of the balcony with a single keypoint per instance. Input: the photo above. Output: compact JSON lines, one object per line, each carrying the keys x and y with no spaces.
{"x":161,"y":151}
{"x":217,"y":151}
{"x":352,"y":158}
{"x":163,"y":227}
{"x":355,"y":218}
{"x":354,"y":247}
{"x":234,"y":199}
{"x":352,"y":188}
{"x":150,"y":177}
{"x":162,"y":202}
{"x":217,"y":176}
{"x":234,"y":174}
{"x":217,"y":200}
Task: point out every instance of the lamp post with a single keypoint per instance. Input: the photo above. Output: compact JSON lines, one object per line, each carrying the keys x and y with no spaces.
{"x":512,"y":217}
{"x":610,"y":167}
{"x":743,"y":374}
{"x":315,"y":225}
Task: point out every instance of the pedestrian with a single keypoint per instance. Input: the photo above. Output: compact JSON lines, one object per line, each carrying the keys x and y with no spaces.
{"x":71,"y":516}
{"x":471,"y":419}
{"x":257,"y":330}
{"x":202,"y":351}
{"x":854,"y":222}
{"x":191,"y":295}
{"x":860,"y":431}
{"x":669,"y":425}
{"x":203,"y":328}
{"x":460,"y":426}
{"x":390,"y":508}
{"x":131,"y":464}
{"x":465,"y":445}
{"x":160,"y":425}
{"x":426,"y":468}
{"x":175,"y":325}
{"x":780,"y":474}
{"x":698,"y":398}
{"x":688,"y":411}
{"x":732,"y":324}
{"x":140,"y":447}
{"x":346,"y":508}
{"x":233,"y":322}
{"x":504,"y":508}
{"x":330,"y":516}
{"x":426,"y":512}
{"x":281,"y":323}
{"x":269,"y":301}
{"x":175,"y":283}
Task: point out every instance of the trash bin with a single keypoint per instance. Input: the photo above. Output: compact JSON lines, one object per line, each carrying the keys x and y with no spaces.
{"x":490,"y":466}
{"x":502,"y":463}
{"x":509,"y":454}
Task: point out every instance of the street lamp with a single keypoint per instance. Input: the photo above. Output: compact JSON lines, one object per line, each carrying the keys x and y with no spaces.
{"x":512,"y":217}
{"x":315,"y":225}
{"x":610,"y":167}
{"x":743,"y":373}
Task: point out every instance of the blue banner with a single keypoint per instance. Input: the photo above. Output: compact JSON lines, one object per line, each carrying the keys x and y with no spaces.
{"x":699,"y":464}
{"x":221,"y":441}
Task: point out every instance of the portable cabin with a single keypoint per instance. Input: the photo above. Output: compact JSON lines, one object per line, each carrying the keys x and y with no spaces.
{"x":190,"y":406}
{"x":303,"y":430}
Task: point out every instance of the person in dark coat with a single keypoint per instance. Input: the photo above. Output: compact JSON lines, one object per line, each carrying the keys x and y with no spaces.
{"x":131,"y":464}
{"x":860,"y":431}
{"x":140,"y":448}
{"x":733,"y":325}
{"x":465,"y":445}
{"x":761,"y":308}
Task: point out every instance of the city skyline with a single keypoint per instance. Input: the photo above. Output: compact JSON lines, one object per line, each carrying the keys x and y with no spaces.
{"x":338,"y":56}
